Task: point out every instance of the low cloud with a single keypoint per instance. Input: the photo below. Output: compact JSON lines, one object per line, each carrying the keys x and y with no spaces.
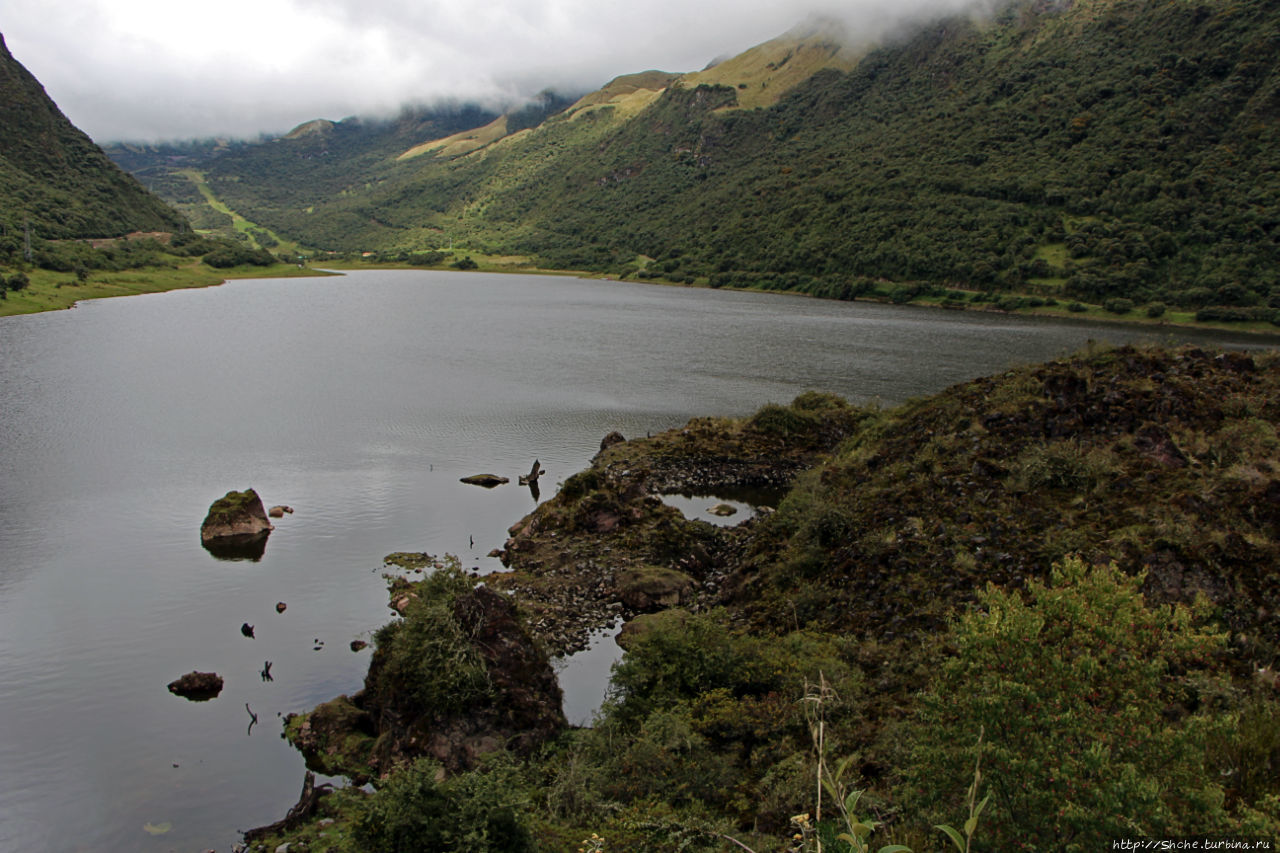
{"x":149,"y":70}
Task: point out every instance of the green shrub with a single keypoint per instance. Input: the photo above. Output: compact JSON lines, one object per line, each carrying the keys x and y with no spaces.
{"x":475,"y":812}
{"x":1095,"y":711}
{"x":1118,"y":305}
{"x":782,"y":421}
{"x":427,"y":656}
{"x":1076,"y":308}
{"x":1155,"y":309}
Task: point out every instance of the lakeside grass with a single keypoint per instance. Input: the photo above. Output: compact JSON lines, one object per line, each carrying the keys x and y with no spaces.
{"x":54,"y":291}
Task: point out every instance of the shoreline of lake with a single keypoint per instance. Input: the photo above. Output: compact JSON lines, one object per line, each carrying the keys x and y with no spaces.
{"x":135,"y":282}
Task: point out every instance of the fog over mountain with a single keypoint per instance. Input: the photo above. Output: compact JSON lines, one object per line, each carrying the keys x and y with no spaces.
{"x":148,"y":70}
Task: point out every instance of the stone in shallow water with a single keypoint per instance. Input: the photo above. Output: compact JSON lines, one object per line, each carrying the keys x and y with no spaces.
{"x":486,"y":480}
{"x":236,"y":526}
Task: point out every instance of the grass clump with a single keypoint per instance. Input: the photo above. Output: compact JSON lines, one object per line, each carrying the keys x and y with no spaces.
{"x":428,"y":656}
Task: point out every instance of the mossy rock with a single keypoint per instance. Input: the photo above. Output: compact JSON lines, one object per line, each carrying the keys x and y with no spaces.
{"x":648,"y":588}
{"x":235,"y":517}
{"x":635,"y":630}
{"x":336,"y":738}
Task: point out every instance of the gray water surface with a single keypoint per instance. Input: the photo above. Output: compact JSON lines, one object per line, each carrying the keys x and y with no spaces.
{"x":359,"y":401}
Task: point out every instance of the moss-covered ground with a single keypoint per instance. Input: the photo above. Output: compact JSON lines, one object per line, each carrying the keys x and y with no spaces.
{"x":918,"y":552}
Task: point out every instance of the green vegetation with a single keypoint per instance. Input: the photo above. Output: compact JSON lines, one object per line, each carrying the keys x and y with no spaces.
{"x":1087,"y":153}
{"x":1073,"y":683}
{"x":1035,"y":609}
{"x":54,"y":182}
{"x":430,"y":650}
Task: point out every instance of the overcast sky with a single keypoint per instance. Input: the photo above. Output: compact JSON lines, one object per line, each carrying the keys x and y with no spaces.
{"x":177,"y":69}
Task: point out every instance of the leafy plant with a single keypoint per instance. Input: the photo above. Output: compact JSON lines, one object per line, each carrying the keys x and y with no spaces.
{"x":1074,"y":687}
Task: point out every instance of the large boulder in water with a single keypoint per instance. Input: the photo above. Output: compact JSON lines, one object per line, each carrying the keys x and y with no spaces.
{"x":235,"y":520}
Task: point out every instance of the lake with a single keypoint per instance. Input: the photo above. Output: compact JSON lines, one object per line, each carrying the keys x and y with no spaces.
{"x":360,"y":401}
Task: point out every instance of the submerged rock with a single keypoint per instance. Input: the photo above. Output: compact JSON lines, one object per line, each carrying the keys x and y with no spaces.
{"x":279,"y":511}
{"x":723,"y":510}
{"x":197,"y":686}
{"x":235,"y":519}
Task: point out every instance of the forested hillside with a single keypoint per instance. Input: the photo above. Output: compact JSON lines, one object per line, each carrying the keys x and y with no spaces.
{"x":54,"y":182}
{"x":1094,"y":149}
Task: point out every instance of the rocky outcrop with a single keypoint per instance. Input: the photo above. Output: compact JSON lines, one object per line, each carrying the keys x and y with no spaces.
{"x":197,"y":686}
{"x":390,"y":722}
{"x":236,"y":518}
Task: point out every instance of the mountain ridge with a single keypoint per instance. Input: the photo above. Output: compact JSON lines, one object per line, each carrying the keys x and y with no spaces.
{"x":54,"y":179}
{"x":1096,"y":150}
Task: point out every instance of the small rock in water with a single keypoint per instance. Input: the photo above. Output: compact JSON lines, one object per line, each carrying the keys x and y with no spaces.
{"x":486,"y":480}
{"x":357,"y":645}
{"x":197,"y":686}
{"x":246,"y":629}
{"x":280,"y":606}
{"x":723,"y":510}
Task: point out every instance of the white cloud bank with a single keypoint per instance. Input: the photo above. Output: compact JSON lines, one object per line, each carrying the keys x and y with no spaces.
{"x":158,"y":69}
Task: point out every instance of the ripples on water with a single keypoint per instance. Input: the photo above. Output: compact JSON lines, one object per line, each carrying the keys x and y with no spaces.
{"x":360,"y":401}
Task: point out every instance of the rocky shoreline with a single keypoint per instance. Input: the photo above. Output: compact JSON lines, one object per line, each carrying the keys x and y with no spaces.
{"x":593,"y":556}
{"x":605,"y":551}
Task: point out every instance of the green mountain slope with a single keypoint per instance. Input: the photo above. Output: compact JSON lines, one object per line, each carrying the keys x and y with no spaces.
{"x":1092,"y":150}
{"x":54,"y":179}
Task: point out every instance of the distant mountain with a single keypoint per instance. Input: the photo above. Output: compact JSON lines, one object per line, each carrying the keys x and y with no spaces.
{"x":1095,"y":150}
{"x":54,"y":179}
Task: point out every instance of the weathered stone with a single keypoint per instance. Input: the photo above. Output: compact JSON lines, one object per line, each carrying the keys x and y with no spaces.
{"x":723,"y":510}
{"x":235,"y":518}
{"x":197,"y":686}
{"x":611,"y":439}
{"x":486,"y":480}
{"x":653,"y":587}
{"x":279,"y":511}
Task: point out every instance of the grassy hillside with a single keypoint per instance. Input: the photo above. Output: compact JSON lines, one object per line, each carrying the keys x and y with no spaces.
{"x":1065,"y":573}
{"x":54,"y":182}
{"x":1093,"y":151}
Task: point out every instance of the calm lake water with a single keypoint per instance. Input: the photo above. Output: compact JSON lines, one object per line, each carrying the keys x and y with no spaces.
{"x":359,"y":401}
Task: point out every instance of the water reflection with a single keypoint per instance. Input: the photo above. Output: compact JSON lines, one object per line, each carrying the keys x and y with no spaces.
{"x":726,"y":506}
{"x":235,"y":548}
